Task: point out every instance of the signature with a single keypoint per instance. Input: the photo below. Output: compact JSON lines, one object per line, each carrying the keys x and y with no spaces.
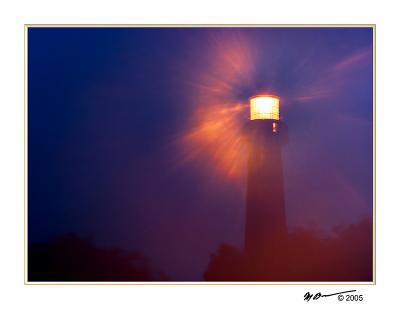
{"x":308,"y":296}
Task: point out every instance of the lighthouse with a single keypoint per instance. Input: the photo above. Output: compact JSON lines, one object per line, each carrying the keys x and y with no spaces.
{"x":265,"y":227}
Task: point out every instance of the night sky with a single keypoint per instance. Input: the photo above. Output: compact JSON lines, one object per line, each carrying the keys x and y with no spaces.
{"x":134,"y":134}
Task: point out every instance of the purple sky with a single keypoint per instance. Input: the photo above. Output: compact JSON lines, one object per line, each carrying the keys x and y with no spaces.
{"x":134,"y":133}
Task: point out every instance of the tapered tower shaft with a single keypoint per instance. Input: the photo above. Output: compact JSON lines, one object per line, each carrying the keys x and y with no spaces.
{"x":266,"y":227}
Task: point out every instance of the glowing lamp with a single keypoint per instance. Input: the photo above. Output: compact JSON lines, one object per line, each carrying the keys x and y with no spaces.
{"x":264,"y":107}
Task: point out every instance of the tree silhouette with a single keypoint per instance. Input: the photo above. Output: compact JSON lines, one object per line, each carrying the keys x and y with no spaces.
{"x":348,"y":256}
{"x":70,"y":258}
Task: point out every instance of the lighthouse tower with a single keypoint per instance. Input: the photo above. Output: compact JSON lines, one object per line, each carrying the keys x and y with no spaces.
{"x":266,"y":229}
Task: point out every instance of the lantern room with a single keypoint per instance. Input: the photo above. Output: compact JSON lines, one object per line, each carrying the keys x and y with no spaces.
{"x":264,"y":107}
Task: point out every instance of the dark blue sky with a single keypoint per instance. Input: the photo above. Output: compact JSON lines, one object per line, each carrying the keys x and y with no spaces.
{"x":125,"y":144}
